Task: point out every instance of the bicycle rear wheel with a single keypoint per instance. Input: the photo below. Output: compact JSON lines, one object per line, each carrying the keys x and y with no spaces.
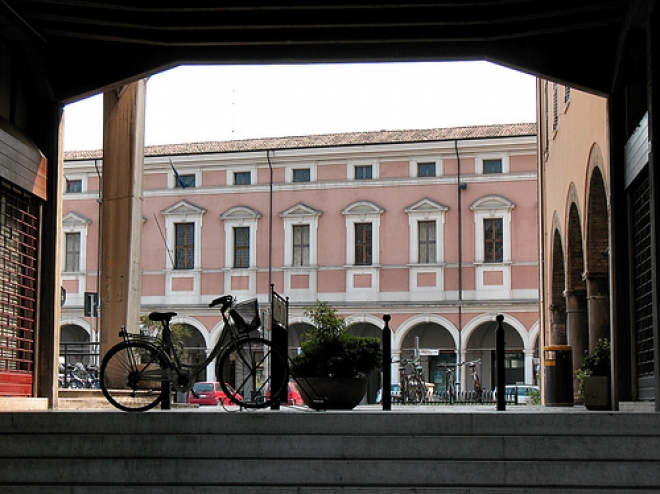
{"x":133,"y":376}
{"x":244,"y":372}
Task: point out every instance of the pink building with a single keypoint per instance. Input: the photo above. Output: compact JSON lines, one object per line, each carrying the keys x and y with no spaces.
{"x":438,"y":228}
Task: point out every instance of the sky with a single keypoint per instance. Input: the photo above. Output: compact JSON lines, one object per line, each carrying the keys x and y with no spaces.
{"x":217,"y":103}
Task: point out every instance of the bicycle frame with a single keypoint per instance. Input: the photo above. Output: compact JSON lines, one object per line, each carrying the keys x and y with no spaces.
{"x":182,"y":371}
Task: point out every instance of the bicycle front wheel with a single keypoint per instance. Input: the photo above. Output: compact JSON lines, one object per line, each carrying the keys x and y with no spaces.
{"x":245,"y":372}
{"x":133,"y":376}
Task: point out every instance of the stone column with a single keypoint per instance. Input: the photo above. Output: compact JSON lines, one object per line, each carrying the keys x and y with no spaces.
{"x":577,"y":329}
{"x":121,"y":210}
{"x":558,"y":324}
{"x":598,"y":302}
{"x":529,"y":366}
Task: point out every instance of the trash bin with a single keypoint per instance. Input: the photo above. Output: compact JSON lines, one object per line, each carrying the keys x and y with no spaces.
{"x":558,"y":383}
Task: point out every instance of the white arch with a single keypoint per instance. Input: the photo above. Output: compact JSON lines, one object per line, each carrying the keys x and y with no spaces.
{"x":195,"y":323}
{"x":534,"y":332}
{"x":76,"y":321}
{"x":413,"y":321}
{"x":364,"y":319}
{"x":300,"y":320}
{"x":489,"y":317}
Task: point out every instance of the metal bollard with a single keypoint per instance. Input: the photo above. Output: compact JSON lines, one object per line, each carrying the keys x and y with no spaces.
{"x":501,"y":376}
{"x":387,"y":364}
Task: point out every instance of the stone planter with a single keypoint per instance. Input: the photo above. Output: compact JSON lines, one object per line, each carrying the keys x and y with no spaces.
{"x":597,"y":392}
{"x":330,"y":393}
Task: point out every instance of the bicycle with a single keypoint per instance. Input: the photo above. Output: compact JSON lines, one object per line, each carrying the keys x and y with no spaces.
{"x":141,"y":371}
{"x":413,"y":386}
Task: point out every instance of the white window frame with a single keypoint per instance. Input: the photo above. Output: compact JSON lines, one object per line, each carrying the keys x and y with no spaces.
{"x":362,"y":212}
{"x":375,"y":169}
{"x":413,"y":166}
{"x":183,"y":212}
{"x":74,"y":222}
{"x":231,"y":175}
{"x":288,"y":172}
{"x":492,"y":207}
{"x":240,"y":216}
{"x":479,"y":163}
{"x":301,"y":214}
{"x":171,"y":178}
{"x":426,"y":210}
{"x":71,"y":178}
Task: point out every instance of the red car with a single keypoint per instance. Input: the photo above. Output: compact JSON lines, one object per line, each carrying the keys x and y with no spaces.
{"x":294,"y":397}
{"x":209,"y":393}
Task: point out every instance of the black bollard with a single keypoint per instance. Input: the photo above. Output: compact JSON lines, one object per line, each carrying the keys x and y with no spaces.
{"x":501,"y":376}
{"x":387,"y":364}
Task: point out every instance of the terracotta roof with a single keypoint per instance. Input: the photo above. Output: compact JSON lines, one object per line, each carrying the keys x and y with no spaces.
{"x":327,"y":140}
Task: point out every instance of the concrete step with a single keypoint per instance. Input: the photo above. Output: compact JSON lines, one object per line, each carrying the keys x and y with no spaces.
{"x":318,"y":452}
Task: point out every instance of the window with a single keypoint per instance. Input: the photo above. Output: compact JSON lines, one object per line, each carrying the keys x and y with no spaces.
{"x":427,"y":242}
{"x":426,"y":169}
{"x":363,"y":247}
{"x":242,"y":178}
{"x":363,"y":172}
{"x":73,"y":186}
{"x":184,"y":181}
{"x":302,"y":175}
{"x":493,"y":166}
{"x":301,"y":245}
{"x":184,"y":246}
{"x":242,"y":247}
{"x":493,"y":240}
{"x":72,"y":252}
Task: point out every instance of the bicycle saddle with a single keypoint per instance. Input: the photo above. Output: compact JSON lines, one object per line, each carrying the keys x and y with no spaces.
{"x":162,"y":316}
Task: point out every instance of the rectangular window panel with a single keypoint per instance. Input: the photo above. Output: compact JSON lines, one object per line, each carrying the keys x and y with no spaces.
{"x":242,"y":178}
{"x":492,"y":166}
{"x":427,"y":242}
{"x":72,"y":261}
{"x":363,"y":244}
{"x":184,"y":246}
{"x":184,"y":181}
{"x":302,"y":175}
{"x":242,"y":247}
{"x":426,"y":169}
{"x":73,"y":186}
{"x":493,"y":240}
{"x":363,"y":172}
{"x":301,"y":245}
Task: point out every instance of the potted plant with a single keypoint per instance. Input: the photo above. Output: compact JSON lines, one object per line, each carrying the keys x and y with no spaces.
{"x":594,"y":377}
{"x":333,"y":366}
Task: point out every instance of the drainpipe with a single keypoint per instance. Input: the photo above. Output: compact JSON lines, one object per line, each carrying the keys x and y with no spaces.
{"x":461,"y":188}
{"x":270,"y":232}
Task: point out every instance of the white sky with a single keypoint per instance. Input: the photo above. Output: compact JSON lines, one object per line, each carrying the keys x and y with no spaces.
{"x":215,"y":103}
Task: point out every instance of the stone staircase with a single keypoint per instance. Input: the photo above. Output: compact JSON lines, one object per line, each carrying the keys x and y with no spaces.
{"x":525,"y":449}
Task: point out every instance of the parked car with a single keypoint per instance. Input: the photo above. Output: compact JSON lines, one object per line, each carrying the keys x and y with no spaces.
{"x":208,"y":393}
{"x":294,"y":397}
{"x":524,"y":392}
{"x":395,"y":394}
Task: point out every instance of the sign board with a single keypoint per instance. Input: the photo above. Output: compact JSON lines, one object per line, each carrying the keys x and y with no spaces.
{"x":280,"y":310}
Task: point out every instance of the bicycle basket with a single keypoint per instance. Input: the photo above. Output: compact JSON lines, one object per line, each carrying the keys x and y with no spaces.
{"x":246,"y":315}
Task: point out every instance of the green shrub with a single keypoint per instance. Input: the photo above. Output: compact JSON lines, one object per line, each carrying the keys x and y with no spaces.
{"x":329,"y":350}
